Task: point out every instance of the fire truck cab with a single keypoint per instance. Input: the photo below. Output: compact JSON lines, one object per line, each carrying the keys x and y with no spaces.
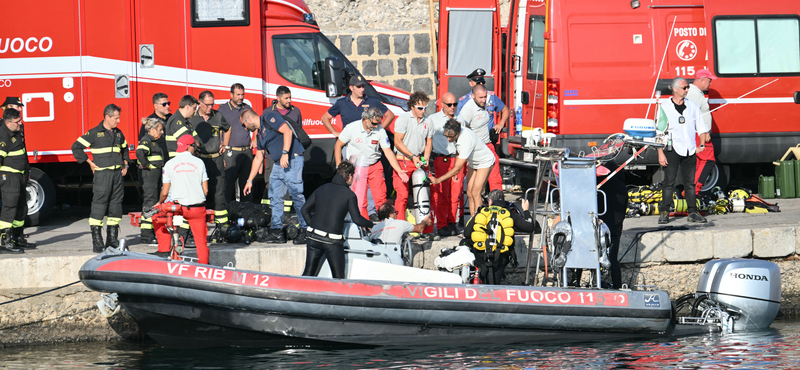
{"x":69,"y":59}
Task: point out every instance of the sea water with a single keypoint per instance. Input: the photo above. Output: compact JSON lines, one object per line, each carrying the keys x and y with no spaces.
{"x":775,"y":348}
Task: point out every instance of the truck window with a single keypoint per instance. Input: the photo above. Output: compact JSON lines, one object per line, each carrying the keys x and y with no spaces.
{"x":757,"y":46}
{"x":469,"y":43}
{"x":536,"y":48}
{"x":299,"y":58}
{"x":220,"y":13}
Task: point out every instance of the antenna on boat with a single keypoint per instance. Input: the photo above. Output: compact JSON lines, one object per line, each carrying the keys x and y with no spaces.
{"x":658,"y":75}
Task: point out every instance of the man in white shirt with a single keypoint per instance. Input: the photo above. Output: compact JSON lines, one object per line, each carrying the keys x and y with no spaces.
{"x":412,"y":142}
{"x":473,"y":153}
{"x":685,"y":122}
{"x":705,"y":159}
{"x":186,"y":176}
{"x":365,"y":141}
{"x":476,"y":118}
{"x":446,"y":195}
{"x":391,"y":230}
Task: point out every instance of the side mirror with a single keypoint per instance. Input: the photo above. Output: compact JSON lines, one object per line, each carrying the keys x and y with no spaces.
{"x":334,"y":77}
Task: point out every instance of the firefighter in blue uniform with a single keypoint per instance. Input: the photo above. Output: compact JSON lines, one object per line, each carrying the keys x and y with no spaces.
{"x":109,"y":164}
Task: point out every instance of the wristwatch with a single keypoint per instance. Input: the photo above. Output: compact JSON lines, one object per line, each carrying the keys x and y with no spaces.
{"x":285,"y":152}
{"x":227,"y":147}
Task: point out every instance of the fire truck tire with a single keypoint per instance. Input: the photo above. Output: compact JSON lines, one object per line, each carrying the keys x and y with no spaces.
{"x":41,"y":195}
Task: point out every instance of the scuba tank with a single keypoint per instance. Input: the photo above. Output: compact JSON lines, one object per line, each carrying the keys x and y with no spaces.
{"x":420,"y":185}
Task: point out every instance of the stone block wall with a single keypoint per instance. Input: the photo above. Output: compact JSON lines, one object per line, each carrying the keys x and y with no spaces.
{"x":402,"y":58}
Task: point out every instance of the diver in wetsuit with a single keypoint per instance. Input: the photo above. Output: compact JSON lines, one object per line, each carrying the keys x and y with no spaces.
{"x":324,"y":235}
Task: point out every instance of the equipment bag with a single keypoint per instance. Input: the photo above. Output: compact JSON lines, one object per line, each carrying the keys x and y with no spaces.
{"x":754,"y":202}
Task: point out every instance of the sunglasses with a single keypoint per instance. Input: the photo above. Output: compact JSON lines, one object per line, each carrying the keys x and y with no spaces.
{"x":419,"y":108}
{"x":685,"y":87}
{"x":210,"y":105}
{"x":450,"y":104}
{"x":165,"y":104}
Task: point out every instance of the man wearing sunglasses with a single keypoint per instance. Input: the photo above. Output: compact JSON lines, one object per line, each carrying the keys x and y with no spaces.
{"x":365,"y":143}
{"x":446,"y":195}
{"x":412,"y":142}
{"x":161,"y":105}
{"x":685,"y":122}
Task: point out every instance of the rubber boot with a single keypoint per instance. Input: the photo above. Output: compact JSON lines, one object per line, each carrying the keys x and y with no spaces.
{"x":7,"y":243}
{"x":97,"y":239}
{"x":301,"y":237}
{"x":19,"y":239}
{"x":188,"y":238}
{"x":112,"y":236}
{"x":148,"y":236}
{"x":276,"y":236}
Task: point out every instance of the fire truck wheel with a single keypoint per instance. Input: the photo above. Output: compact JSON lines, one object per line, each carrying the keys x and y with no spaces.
{"x":41,"y":196}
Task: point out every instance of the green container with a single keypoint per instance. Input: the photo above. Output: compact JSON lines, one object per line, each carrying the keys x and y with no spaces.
{"x":796,"y":178}
{"x":784,"y":179}
{"x":766,"y":186}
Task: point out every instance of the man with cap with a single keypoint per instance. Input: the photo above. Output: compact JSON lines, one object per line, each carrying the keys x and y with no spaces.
{"x":211,"y":127}
{"x":350,"y":109}
{"x":476,"y":117}
{"x":186,"y":176}
{"x":109,"y":165}
{"x":276,"y":138}
{"x":14,"y":174}
{"x":351,"y":106}
{"x":367,"y":140}
{"x":705,"y":159}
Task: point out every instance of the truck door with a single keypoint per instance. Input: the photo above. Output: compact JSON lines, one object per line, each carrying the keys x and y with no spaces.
{"x":756,"y":57}
{"x":160,"y":46}
{"x":529,"y":81}
{"x":469,"y":38}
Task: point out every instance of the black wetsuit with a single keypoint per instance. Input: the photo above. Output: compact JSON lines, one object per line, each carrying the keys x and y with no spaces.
{"x":617,"y":202}
{"x":336,"y":200}
{"x":521,"y":224}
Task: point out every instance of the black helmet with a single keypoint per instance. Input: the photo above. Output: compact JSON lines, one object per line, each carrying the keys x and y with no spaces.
{"x":233,"y":234}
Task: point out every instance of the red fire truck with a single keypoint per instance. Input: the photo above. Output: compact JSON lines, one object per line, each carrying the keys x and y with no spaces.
{"x":69,"y":59}
{"x":579,"y":68}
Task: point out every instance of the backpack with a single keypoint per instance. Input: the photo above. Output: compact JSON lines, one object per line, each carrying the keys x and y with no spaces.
{"x":297,"y":129}
{"x":493,"y":230}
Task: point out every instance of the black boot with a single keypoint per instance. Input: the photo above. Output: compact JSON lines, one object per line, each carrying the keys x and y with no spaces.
{"x":7,"y":243}
{"x":97,"y":239}
{"x":301,"y":237}
{"x":276,"y":236}
{"x":112,"y":236}
{"x":148,"y":236}
{"x":19,"y":239}
{"x":188,"y":238}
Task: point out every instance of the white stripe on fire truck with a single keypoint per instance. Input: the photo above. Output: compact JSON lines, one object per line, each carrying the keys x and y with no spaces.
{"x":649,"y":101}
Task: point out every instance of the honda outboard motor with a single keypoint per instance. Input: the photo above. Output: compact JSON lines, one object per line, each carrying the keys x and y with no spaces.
{"x":422,"y":194}
{"x":750,"y":290}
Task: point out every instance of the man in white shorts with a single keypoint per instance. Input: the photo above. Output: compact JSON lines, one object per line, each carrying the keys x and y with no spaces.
{"x":473,"y":153}
{"x":476,"y":118}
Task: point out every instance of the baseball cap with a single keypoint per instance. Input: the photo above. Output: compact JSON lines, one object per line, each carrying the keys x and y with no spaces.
{"x":184,"y":142}
{"x":13,"y":100}
{"x":704,"y":73}
{"x":357,"y":81}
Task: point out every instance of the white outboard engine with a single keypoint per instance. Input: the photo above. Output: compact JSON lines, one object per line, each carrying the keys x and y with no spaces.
{"x":750,"y":290}
{"x":422,"y":194}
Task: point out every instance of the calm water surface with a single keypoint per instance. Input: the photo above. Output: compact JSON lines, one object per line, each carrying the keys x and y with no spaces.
{"x":776,"y":348}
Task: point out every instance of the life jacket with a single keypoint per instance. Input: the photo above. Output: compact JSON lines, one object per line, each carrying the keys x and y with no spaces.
{"x":493,"y":228}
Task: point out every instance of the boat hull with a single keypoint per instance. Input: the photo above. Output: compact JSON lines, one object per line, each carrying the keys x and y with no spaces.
{"x":189,"y":305}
